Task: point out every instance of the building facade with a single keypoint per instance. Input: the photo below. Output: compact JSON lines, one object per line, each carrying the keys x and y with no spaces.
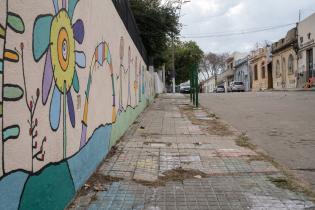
{"x":306,"y":67}
{"x":242,"y":72}
{"x":284,"y":61}
{"x":227,"y":76}
{"x":209,"y":85}
{"x":261,"y":68}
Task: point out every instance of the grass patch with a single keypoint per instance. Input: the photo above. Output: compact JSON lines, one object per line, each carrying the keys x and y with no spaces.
{"x":256,"y":158}
{"x":212,"y":127}
{"x":284,"y":183}
{"x":243,"y":141}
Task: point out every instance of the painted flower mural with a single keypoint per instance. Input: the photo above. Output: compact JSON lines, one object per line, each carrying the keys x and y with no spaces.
{"x":56,"y":36}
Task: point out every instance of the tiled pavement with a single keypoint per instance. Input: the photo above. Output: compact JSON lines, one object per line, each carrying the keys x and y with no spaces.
{"x":164,"y":139}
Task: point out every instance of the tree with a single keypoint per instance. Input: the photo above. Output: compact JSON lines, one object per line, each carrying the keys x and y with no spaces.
{"x":186,"y":54}
{"x":157,"y":24}
{"x":213,"y":64}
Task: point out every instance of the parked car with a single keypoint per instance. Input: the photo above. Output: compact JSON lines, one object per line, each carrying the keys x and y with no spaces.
{"x":184,"y":89}
{"x":219,"y":89}
{"x":236,"y":87}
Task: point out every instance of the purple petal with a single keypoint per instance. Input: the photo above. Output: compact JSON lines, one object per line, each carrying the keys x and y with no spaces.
{"x":47,"y":78}
{"x":71,"y":108}
{"x":64,"y":4}
{"x":78,"y":30}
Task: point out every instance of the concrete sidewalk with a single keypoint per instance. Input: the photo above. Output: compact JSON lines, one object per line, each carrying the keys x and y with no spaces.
{"x":175,"y":157}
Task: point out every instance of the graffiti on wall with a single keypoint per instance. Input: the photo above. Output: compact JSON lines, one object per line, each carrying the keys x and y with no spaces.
{"x":56,"y":37}
{"x":43,"y":75}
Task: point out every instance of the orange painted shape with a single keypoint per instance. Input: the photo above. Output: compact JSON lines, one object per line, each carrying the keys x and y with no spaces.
{"x":11,"y":56}
{"x":114,"y":115}
{"x":96,"y":54}
{"x":85,"y":113}
{"x":63,"y":49}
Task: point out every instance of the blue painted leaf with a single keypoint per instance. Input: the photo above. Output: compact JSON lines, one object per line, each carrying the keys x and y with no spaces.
{"x":80,"y":59}
{"x":11,"y":132}
{"x":76,"y":84}
{"x":56,"y":6}
{"x":41,"y":35}
{"x":71,"y":6}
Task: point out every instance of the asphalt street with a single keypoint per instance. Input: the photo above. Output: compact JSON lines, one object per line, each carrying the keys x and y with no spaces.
{"x":281,"y":123}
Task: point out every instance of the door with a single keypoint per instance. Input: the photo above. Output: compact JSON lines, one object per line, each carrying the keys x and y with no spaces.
{"x":284,"y":73}
{"x":309,"y":60}
{"x":270,"y":78}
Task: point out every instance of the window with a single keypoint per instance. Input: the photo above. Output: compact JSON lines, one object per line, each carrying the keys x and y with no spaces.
{"x":263,"y":70}
{"x":309,"y":35}
{"x":301,"y":39}
{"x":291,"y":64}
{"x":278,"y":68}
{"x":255,"y":72}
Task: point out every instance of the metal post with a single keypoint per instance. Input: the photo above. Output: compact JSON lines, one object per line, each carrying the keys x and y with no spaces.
{"x":173,"y":65}
{"x":197,"y":85}
{"x":191,"y":83}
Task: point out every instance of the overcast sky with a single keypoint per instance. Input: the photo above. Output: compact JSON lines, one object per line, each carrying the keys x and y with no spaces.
{"x":204,"y":17}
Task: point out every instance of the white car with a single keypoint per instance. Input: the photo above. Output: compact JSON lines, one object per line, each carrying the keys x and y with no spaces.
{"x":236,"y":87}
{"x":219,"y":89}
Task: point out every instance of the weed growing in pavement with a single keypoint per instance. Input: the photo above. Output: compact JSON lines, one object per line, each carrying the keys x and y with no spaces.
{"x":243,"y":141}
{"x":174,"y":175}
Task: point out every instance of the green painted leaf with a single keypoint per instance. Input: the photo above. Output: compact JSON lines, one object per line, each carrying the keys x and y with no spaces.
{"x":11,"y":132}
{"x":12,"y":92}
{"x":15,"y":22}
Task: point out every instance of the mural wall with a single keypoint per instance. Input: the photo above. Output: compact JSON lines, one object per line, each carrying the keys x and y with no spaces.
{"x":72,"y":83}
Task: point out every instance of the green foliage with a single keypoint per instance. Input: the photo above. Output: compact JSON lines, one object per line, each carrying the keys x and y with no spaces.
{"x":157,"y":23}
{"x":186,"y":54}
